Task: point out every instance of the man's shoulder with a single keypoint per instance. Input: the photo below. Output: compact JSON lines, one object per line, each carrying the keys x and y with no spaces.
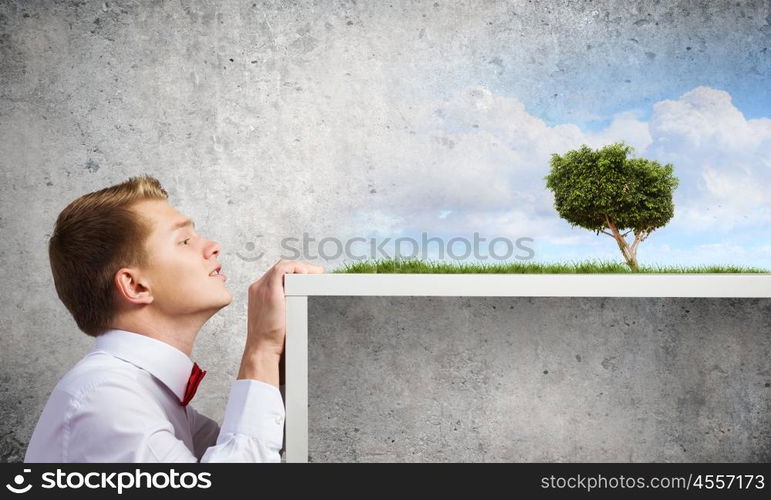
{"x":97,"y":402}
{"x":99,"y":369}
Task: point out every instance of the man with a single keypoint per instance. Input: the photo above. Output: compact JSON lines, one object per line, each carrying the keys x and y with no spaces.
{"x":134,"y":273}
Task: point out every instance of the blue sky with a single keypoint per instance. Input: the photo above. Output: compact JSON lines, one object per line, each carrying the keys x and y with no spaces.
{"x":753,"y":102}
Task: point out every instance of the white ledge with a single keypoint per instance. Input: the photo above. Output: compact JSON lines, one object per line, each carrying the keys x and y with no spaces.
{"x":530,"y":285}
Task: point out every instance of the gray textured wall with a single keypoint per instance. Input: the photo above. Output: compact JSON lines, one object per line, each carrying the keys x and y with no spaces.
{"x":413,"y":379}
{"x":263,"y":118}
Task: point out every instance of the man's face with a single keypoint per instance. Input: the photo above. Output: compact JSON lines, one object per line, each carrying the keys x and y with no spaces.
{"x":180,"y":263}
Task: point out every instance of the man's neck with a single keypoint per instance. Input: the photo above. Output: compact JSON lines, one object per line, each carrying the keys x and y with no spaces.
{"x":179,"y":334}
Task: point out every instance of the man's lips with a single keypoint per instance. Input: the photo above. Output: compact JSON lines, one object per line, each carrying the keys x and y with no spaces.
{"x":218,"y":273}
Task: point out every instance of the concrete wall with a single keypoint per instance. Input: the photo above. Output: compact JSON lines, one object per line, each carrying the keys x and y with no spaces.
{"x":413,"y":379}
{"x":264,"y":119}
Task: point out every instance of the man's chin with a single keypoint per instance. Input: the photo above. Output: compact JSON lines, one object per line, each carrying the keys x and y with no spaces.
{"x":216,"y":307}
{"x":226,"y":301}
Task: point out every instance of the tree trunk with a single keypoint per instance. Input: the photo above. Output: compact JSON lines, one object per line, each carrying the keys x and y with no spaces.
{"x":628,"y":251}
{"x":630,"y":254}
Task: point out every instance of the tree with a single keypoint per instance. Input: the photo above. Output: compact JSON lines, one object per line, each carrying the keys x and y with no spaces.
{"x":607,"y":192}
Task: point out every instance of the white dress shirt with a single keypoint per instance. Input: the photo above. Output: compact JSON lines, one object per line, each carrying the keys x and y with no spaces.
{"x":121,"y":403}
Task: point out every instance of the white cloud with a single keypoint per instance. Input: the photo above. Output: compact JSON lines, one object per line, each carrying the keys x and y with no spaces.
{"x":706,"y":119}
{"x":722,"y":160}
{"x":624,"y":125}
{"x":483,"y":157}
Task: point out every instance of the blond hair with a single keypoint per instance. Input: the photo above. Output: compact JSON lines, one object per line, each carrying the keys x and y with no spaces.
{"x":94,"y":236}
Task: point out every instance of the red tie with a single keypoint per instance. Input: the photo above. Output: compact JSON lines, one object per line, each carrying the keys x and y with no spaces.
{"x":192,"y":384}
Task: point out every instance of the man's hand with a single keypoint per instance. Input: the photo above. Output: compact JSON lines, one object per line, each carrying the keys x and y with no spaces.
{"x":266,"y":328}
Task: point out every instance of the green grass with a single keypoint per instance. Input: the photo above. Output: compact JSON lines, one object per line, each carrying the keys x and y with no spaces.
{"x":608,"y":267}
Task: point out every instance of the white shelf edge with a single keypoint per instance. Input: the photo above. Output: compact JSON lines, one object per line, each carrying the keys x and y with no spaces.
{"x":531,"y":285}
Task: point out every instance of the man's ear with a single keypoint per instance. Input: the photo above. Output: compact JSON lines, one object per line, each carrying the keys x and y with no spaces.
{"x":132,"y":286}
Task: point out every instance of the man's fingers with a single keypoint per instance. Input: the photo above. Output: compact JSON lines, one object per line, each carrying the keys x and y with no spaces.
{"x":297,"y":267}
{"x":283,"y":267}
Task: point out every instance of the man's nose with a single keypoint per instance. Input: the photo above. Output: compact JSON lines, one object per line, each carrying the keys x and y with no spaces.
{"x":213,"y":248}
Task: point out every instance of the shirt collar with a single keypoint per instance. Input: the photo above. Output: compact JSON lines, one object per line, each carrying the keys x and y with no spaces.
{"x":163,"y":361}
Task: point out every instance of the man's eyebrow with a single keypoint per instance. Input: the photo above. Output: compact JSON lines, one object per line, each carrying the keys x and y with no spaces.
{"x":183,"y":223}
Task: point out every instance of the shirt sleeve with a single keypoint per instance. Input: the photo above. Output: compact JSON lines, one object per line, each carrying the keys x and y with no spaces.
{"x":112,"y":423}
{"x":203,"y":430}
{"x":253,"y":427}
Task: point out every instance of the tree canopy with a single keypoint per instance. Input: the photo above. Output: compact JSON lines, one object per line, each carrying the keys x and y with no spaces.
{"x":607,"y":191}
